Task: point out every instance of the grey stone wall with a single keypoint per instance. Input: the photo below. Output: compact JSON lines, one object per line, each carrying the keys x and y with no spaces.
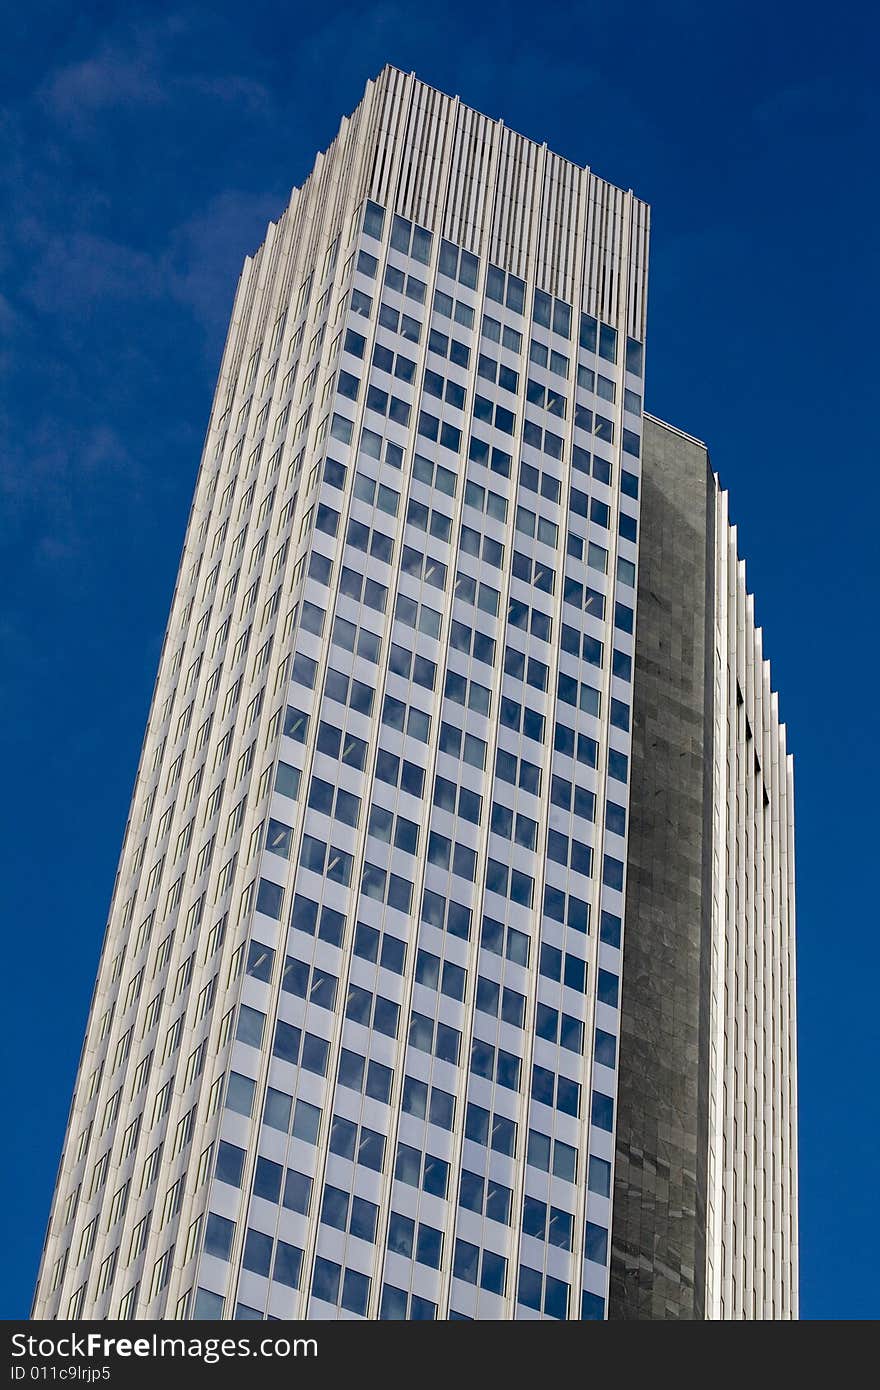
{"x":658,"y":1233}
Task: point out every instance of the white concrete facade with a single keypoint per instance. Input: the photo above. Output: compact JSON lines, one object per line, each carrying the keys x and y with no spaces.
{"x":385,"y":768}
{"x":752,"y":1244}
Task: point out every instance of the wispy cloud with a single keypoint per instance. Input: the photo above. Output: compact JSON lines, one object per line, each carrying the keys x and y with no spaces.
{"x":143,"y":63}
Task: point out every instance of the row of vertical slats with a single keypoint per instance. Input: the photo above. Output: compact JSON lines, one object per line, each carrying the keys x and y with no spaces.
{"x":509,"y":199}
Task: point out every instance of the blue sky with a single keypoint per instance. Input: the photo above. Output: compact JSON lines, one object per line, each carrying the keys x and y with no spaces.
{"x":142,"y":151}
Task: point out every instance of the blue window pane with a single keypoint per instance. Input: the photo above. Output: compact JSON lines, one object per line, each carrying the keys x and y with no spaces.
{"x":325,"y":1280}
{"x":534,"y":1220}
{"x":596,"y":1245}
{"x":269,"y":898}
{"x":393,"y":1304}
{"x":606,"y":1048}
{"x":334,"y":1207}
{"x":208,"y":1306}
{"x":267,"y":1179}
{"x":466,"y":1261}
{"x":297,"y":1191}
{"x":422,"y":1310}
{"x":379,"y":1079}
{"x":230,"y":1162}
{"x":362,"y":1222}
{"x":556,"y":1298}
{"x":288,"y":1264}
{"x":600,"y":1176}
{"x":355,"y":1292}
{"x":343,"y":1137}
{"x":607,"y":988}
{"x":592,"y":1307}
{"x":471,"y":1191}
{"x":260,"y":959}
{"x":249,"y":1029}
{"x":602,"y":1111}
{"x":436,"y":1178}
{"x":240,"y":1093}
{"x":306,"y":1122}
{"x":314,"y":1054}
{"x":493,"y":1273}
{"x":257,"y":1252}
{"x":530,"y":1281}
{"x":287,"y":1041}
{"x":401,"y":1233}
{"x":219,"y":1234}
{"x":610,"y":929}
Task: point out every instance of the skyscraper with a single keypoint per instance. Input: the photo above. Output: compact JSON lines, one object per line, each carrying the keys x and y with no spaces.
{"x":449,"y":967}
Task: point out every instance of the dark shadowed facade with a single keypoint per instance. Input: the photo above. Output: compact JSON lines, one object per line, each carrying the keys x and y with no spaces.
{"x":658,"y":1236}
{"x":675,"y":1049}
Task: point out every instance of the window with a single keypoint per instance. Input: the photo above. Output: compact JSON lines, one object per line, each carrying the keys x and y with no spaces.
{"x":410,"y":285}
{"x":438,"y":1039}
{"x":371,"y":1078}
{"x":557,"y":1092}
{"x":457,"y":309}
{"x":444,"y":433}
{"x":447,"y":977}
{"x":240,"y":1093}
{"x":467,"y":692}
{"x":326,"y":860}
{"x":547,"y":1223}
{"x":374,"y":219}
{"x":634,"y":357}
{"x":496,"y":332}
{"x":372,"y":1011}
{"x":411,"y":239}
{"x":552,"y":313}
{"x":491,"y":413}
{"x":552,"y":1156}
{"x":349,"y":1213}
{"x":492,"y":370}
{"x":357,"y":1143}
{"x":398,"y":322}
{"x":421,"y":1170}
{"x":544,"y":1294}
{"x":415,"y":1240}
{"x":458,"y":264}
{"x":434,"y":475}
{"x":505,"y":941}
{"x":384,"y":947}
{"x":398,"y":1305}
{"x":476,"y":1266}
{"x":304,"y":1049}
{"x":495,"y":1064}
{"x":219,"y":1234}
{"x":446,"y":914}
{"x":485,"y":500}
{"x":498,"y":1001}
{"x":449,"y":347}
{"x":313,"y":983}
{"x":600,"y":1176}
{"x":505,"y":289}
{"x":596,"y":1243}
{"x":444,"y":390}
{"x":429,"y":1103}
{"x":493,"y":1131}
{"x":602,"y":1111}
{"x":491,"y":457}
